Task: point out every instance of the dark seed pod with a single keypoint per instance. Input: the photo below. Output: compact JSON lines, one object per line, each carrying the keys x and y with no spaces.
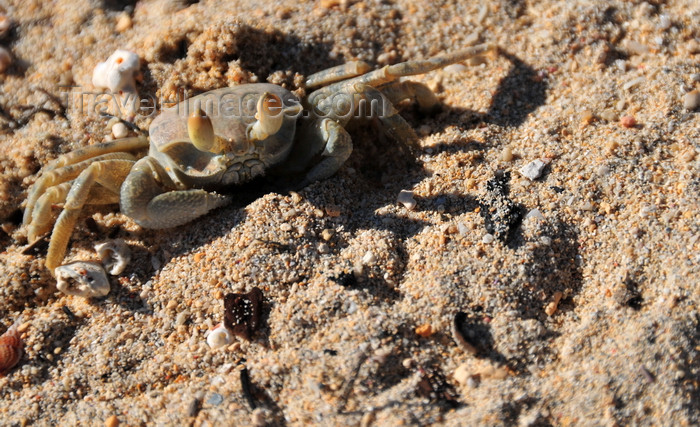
{"x":242,"y":312}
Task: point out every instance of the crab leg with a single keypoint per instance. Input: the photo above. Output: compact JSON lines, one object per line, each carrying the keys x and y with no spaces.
{"x":109,"y":174}
{"x":148,"y":196}
{"x":396,"y":92}
{"x":52,"y":176}
{"x":50,"y":179}
{"x":390,"y":73}
{"x":334,"y":74}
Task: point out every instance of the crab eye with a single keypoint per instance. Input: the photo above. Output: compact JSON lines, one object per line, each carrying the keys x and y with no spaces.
{"x":201,"y":131}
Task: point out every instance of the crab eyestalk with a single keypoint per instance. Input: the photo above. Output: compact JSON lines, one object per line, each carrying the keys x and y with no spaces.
{"x":201,"y":131}
{"x":270,"y":116}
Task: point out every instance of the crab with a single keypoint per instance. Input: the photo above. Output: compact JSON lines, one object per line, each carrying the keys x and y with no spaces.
{"x":226,"y":137}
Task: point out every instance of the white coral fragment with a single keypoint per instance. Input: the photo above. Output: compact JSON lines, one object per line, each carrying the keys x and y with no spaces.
{"x":82,"y":278}
{"x":115,"y":255}
{"x":219,"y":336}
{"x":533,"y":170}
{"x":118,"y":74}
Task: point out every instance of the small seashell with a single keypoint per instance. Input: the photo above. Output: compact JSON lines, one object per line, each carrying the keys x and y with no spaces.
{"x":11,"y":348}
{"x":115,"y":255}
{"x":219,"y":336}
{"x":82,"y":278}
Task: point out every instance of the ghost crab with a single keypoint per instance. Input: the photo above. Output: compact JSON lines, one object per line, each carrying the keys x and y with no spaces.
{"x":211,"y":141}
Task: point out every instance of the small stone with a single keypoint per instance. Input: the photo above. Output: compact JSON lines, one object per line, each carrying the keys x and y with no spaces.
{"x":112,"y":421}
{"x":587,"y":117}
{"x":608,"y":116}
{"x":369,"y":258}
{"x":323,"y":248}
{"x":215,"y":399}
{"x":462,"y":374}
{"x":123,"y":22}
{"x":533,"y":170}
{"x":553,"y":304}
{"x":327,"y":234}
{"x":406,"y":198}
{"x":119,"y":130}
{"x":487,"y":239}
{"x":507,"y":154}
{"x":691,"y":100}
{"x":628,"y":121}
{"x":425,"y":330}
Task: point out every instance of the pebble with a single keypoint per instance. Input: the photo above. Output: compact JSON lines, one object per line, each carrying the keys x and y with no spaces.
{"x":82,"y":278}
{"x":462,"y":374}
{"x":369,"y":258}
{"x":608,"y":116}
{"x":425,"y":330}
{"x":691,"y":100}
{"x":406,"y":198}
{"x":535,"y":214}
{"x":123,"y":23}
{"x":112,"y":421}
{"x":533,"y":170}
{"x":119,"y":130}
{"x":324,"y":248}
{"x":507,"y":154}
{"x":327,"y":234}
{"x":215,"y":399}
{"x":487,"y":239}
{"x":628,"y":121}
{"x":5,"y":59}
{"x":551,"y":308}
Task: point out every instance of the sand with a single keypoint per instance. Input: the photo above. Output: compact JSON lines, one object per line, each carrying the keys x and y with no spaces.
{"x":576,"y":292}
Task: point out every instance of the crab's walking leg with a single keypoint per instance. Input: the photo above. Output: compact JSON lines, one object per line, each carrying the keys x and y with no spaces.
{"x":393,"y":72}
{"x":149,"y":196}
{"x":107,"y":173}
{"x":52,"y":176}
{"x":38,"y":224}
{"x":396,"y":92}
{"x":334,"y":74}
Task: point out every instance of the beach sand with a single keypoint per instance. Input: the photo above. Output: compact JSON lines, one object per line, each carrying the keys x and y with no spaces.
{"x":576,"y":293}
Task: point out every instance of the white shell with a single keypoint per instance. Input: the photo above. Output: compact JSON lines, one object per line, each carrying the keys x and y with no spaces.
{"x":219,"y":336}
{"x":115,"y":255}
{"x":82,"y":278}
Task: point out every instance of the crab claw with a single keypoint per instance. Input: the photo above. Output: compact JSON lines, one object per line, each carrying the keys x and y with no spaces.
{"x":201,"y":131}
{"x":270,"y":116}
